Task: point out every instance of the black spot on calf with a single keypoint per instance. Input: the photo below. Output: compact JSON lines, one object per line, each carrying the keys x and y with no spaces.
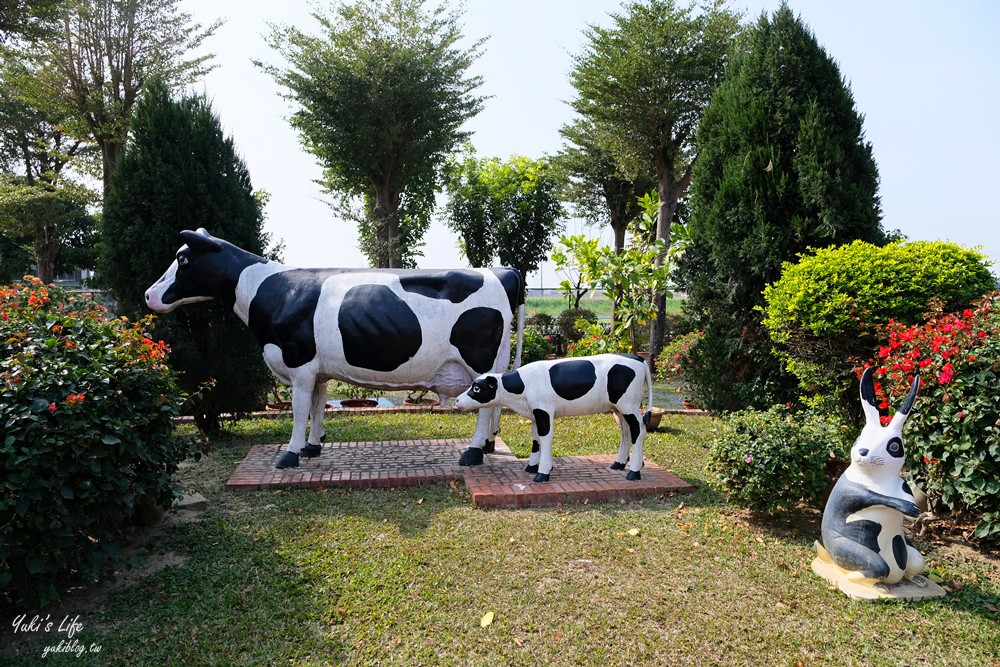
{"x":572,"y":379}
{"x":543,"y":422}
{"x":513,"y":382}
{"x":455,"y":286}
{"x":619,"y":379}
{"x":477,"y":335}
{"x":633,"y":426}
{"x":379,"y":330}
{"x":899,"y":551}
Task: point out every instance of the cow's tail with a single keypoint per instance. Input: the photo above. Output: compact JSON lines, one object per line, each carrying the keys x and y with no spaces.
{"x":520,"y":336}
{"x":649,"y":401}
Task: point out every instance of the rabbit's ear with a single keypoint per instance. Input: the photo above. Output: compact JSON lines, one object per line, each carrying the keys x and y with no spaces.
{"x":868,"y":401}
{"x":900,"y":417}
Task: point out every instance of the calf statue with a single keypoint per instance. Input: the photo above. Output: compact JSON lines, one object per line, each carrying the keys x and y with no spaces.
{"x":379,"y":328}
{"x":544,"y":390}
{"x":864,"y":550}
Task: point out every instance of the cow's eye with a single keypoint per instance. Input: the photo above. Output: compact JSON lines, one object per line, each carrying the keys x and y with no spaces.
{"x":182,"y":260}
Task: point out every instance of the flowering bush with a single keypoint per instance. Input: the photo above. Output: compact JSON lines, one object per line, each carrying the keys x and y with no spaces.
{"x":86,"y":404}
{"x":595,"y":340}
{"x":954,"y":431}
{"x":670,"y":365}
{"x":770,"y":460}
{"x":536,"y":345}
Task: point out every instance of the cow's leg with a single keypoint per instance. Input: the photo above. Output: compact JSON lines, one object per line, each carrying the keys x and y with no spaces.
{"x":637,"y":435}
{"x":491,"y":439}
{"x":543,"y":426}
{"x":316,"y":429}
{"x":473,"y":456}
{"x":625,"y":445}
{"x":303,"y":386}
{"x":536,"y":450}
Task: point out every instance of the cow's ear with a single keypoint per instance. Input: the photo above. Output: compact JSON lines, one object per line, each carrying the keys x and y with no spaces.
{"x":201,"y":240}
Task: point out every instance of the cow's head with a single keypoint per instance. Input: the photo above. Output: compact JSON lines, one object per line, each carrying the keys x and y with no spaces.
{"x":199,"y":272}
{"x":484,"y":393}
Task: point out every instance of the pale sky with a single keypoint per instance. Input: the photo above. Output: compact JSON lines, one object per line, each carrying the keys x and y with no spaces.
{"x":925,"y":76}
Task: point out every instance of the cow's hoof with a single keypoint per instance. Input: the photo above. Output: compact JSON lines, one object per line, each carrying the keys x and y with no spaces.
{"x":633,"y":475}
{"x":617,"y":466}
{"x":531,"y":468}
{"x":310,"y":451}
{"x":287,"y":460}
{"x":471,"y":457}
{"x":490,"y":447}
{"x":542,"y":477}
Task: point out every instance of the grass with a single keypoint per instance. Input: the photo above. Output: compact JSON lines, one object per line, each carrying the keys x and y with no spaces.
{"x":404,"y":577}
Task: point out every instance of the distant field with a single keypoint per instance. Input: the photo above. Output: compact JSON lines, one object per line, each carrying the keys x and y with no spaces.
{"x":601,"y":305}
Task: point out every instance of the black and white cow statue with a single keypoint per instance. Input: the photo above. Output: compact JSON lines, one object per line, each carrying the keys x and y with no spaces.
{"x":544,"y":390}
{"x":379,"y":328}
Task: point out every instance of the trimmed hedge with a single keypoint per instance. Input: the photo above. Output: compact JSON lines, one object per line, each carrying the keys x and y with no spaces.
{"x":86,"y":404}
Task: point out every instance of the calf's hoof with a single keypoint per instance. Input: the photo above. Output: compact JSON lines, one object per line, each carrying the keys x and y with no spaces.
{"x":309,"y":451}
{"x":490,"y":447}
{"x":542,"y":476}
{"x":530,"y":468}
{"x":633,"y":475}
{"x":471,"y":457}
{"x":617,"y":466}
{"x":287,"y":460}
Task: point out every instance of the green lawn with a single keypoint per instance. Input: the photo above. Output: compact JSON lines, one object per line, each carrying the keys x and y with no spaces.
{"x":601,"y":305}
{"x":404,"y":577}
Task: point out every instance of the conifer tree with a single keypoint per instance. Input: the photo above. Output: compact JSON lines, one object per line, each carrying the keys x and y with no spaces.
{"x":180,"y":172}
{"x":782,"y":166}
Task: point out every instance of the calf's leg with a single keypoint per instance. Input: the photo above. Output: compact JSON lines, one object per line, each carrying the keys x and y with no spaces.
{"x":543,"y":427}
{"x":532,"y":466}
{"x":637,"y":435}
{"x":485,"y":425}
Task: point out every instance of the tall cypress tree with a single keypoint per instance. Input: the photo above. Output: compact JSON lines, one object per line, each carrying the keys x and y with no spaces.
{"x":782,"y":166}
{"x":180,"y":172}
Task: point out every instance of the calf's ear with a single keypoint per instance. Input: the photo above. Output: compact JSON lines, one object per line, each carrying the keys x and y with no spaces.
{"x":201,"y":240}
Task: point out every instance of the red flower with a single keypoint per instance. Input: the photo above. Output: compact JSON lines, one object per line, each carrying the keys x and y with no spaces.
{"x":946,"y":374}
{"x":52,"y":407}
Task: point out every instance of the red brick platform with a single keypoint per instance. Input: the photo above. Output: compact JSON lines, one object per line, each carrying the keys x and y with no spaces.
{"x":500,"y":482}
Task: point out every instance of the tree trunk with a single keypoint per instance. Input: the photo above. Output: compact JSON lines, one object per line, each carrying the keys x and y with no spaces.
{"x":389,"y":254}
{"x":46,"y":249}
{"x":111,"y":151}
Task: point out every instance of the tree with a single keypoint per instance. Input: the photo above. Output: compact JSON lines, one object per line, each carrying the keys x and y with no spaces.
{"x":381,"y":98}
{"x":27,"y":20}
{"x":646,"y":80}
{"x":504,"y":210}
{"x":103,"y":53}
{"x":782,"y":166}
{"x":180,"y":172}
{"x":595,"y":184}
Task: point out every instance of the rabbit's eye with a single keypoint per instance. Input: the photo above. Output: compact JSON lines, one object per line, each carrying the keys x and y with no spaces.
{"x":895,"y":447}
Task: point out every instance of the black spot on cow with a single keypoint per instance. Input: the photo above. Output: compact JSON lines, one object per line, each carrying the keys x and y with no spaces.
{"x":633,"y":426}
{"x":379,"y":330}
{"x":619,"y":379}
{"x":543,"y":422}
{"x":629,"y":355}
{"x":455,"y":286}
{"x":477,"y":335}
{"x":513,"y":382}
{"x":511,"y":281}
{"x":572,"y":379}
{"x":899,"y":551}
{"x":282,"y":312}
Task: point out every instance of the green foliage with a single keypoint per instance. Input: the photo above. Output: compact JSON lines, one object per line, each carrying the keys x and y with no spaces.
{"x":773,"y":459}
{"x":382,"y":95}
{"x":568,"y":322}
{"x":782,"y":166}
{"x":674,"y":357}
{"x":180,"y":172}
{"x":953,"y":433}
{"x":508,"y":210}
{"x":87,"y":406}
{"x":536,"y":346}
{"x":824,"y":312}
{"x":595,"y":339}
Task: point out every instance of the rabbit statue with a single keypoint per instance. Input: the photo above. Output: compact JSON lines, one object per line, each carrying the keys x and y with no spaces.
{"x":863,"y":544}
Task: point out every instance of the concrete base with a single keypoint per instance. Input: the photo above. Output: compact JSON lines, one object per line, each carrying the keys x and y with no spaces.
{"x":918,"y":588}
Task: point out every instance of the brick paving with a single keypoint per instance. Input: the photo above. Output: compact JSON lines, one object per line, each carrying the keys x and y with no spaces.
{"x":501,"y":482}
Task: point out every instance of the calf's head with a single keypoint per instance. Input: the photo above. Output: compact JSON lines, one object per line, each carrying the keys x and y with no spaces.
{"x":485,"y":392}
{"x":204,"y":268}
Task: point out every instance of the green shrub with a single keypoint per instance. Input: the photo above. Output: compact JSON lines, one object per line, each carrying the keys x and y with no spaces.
{"x":87,"y":406}
{"x":773,"y":459}
{"x":670,"y":366}
{"x":568,"y":323}
{"x":595,"y":339}
{"x":953,"y":434}
{"x":536,"y":346}
{"x":824,"y":312}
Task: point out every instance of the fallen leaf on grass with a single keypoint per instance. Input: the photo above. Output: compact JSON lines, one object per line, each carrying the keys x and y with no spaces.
{"x":486,"y":620}
{"x":633,"y":532}
{"x":420,"y":501}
